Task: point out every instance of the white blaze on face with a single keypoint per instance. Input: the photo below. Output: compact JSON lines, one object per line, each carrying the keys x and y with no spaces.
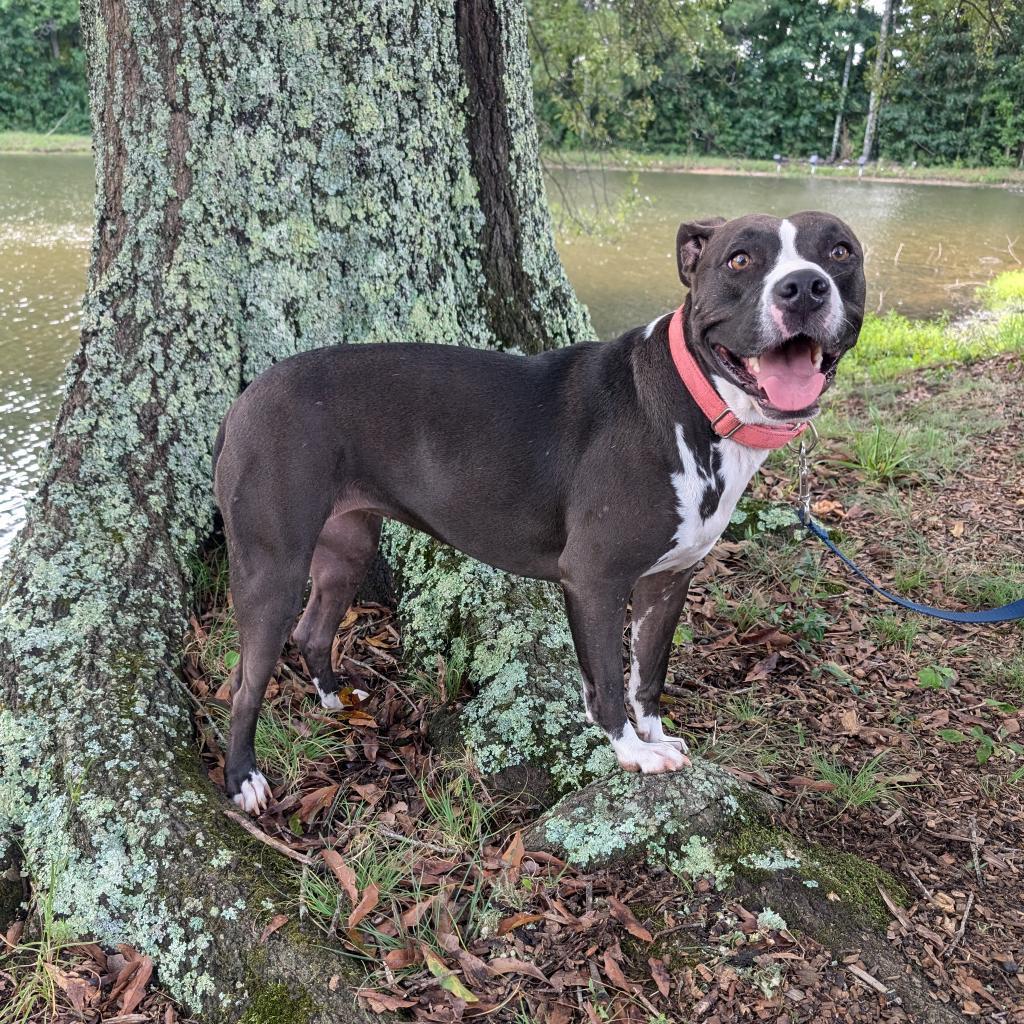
{"x":788,"y":261}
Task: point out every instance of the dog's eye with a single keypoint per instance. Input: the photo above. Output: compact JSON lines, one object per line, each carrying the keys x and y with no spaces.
{"x":840,"y":252}
{"x":739,"y":261}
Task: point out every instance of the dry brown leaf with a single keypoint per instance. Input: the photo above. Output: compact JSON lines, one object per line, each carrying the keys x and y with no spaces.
{"x":136,"y":990}
{"x":514,"y":852}
{"x":628,"y":920}
{"x":371,"y":897}
{"x":660,"y":975}
{"x":277,"y":921}
{"x":383,"y":1002}
{"x":343,"y":873}
{"x":317,"y":800}
{"x":517,"y":921}
{"x":613,"y":972}
{"x":412,"y":917}
{"x":513,"y":965}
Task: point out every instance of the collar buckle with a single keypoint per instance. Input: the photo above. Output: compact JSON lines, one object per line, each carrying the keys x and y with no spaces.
{"x":721,"y":416}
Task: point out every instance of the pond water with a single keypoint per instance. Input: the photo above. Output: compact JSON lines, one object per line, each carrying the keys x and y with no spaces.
{"x":928,"y":248}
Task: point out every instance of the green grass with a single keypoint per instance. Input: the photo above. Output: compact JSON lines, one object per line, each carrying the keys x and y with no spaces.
{"x":1005,"y":289}
{"x":1005,"y":675}
{"x":896,"y":630}
{"x":34,"y":963}
{"x":891,"y":345}
{"x":36,"y":142}
{"x":992,"y":589}
{"x":853,"y":789}
{"x":624,"y":159}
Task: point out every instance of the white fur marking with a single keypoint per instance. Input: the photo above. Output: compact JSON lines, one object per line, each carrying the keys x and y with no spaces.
{"x":650,"y":758}
{"x":634,"y":664}
{"x":695,"y":536}
{"x":583,"y":693}
{"x":329,"y":701}
{"x":649,"y":329}
{"x":255,"y":794}
{"x":788,"y":261}
{"x":650,"y":729}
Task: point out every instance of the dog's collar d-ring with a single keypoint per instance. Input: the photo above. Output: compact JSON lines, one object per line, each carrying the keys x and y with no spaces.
{"x":724,"y":422}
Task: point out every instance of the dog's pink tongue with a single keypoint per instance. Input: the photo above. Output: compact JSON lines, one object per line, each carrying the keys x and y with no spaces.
{"x":789,"y":378}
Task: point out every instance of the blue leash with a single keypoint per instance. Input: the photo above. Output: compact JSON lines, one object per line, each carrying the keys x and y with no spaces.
{"x":1006,"y":613}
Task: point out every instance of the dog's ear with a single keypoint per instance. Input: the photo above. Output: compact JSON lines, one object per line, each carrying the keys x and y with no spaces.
{"x":690,"y":242}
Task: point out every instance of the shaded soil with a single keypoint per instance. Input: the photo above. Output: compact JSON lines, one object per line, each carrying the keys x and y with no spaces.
{"x":882,"y":734}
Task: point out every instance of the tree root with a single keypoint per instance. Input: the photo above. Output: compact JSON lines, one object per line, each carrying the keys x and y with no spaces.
{"x":702,"y":822}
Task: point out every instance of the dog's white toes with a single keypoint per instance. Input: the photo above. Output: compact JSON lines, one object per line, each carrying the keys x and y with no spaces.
{"x":650,"y":730}
{"x":634,"y":755}
{"x":661,"y":757}
{"x":255,"y":795}
{"x":328,"y":701}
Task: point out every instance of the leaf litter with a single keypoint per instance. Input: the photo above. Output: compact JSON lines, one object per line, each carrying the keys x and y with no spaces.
{"x":419,"y":873}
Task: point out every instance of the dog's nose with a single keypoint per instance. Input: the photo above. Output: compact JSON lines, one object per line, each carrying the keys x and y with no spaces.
{"x":802,"y":291}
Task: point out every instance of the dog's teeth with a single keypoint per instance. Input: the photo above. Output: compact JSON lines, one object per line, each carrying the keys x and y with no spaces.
{"x":816,"y":356}
{"x":754,"y":365}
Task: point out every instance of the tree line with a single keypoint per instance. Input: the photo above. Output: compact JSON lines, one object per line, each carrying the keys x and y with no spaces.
{"x":755,"y":78}
{"x":738,"y":78}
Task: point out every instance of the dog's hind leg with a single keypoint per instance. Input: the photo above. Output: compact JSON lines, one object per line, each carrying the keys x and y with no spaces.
{"x":344,"y":551}
{"x":657,"y":604}
{"x":266,"y":599}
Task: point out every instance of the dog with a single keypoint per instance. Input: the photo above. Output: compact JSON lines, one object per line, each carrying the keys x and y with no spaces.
{"x":611,"y":468}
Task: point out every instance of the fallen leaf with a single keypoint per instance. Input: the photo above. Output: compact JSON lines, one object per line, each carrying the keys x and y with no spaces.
{"x":412,"y":917}
{"x":370,"y":792}
{"x":513,"y":965}
{"x":275,"y":922}
{"x":383,"y":1002}
{"x":405,"y":956}
{"x":514,"y":852}
{"x":343,"y":873}
{"x":447,"y":978}
{"x":517,"y":921}
{"x":136,"y":990}
{"x":371,"y":897}
{"x":317,"y":800}
{"x":613,"y":972}
{"x":660,"y":975}
{"x":628,"y":919}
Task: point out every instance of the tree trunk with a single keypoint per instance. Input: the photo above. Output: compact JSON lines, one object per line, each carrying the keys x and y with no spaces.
{"x":267,"y":181}
{"x":875,"y":102}
{"x":841,"y":110}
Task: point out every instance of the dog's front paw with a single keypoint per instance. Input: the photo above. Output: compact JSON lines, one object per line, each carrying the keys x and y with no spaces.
{"x":655,"y":758}
{"x":634,"y":755}
{"x":650,"y":729}
{"x":254,"y":795}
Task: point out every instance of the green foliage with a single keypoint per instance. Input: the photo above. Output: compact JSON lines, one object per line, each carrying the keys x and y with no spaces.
{"x":757,"y":77}
{"x":42,"y":67}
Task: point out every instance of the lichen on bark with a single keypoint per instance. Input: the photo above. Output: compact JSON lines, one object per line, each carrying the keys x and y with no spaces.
{"x":268,"y":180}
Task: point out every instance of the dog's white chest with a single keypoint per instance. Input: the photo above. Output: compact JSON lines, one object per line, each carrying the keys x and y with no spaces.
{"x":706,"y":496}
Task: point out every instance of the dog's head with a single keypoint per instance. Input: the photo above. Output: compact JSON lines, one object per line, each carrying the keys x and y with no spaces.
{"x":774,"y":305}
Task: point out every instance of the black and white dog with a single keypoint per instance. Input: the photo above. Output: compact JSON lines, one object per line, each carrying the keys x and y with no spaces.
{"x":611,"y":468}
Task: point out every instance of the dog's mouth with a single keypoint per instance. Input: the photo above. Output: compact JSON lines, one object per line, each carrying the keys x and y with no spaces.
{"x":786,"y":379}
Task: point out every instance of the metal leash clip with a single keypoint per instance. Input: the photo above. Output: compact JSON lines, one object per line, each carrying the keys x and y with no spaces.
{"x":804,"y":481}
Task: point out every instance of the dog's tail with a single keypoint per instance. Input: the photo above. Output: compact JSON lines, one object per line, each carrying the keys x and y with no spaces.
{"x":218,"y":444}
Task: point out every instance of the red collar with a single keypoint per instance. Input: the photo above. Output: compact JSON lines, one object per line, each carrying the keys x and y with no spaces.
{"x":724,"y":421}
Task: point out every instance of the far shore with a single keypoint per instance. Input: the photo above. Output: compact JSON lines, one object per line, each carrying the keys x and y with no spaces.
{"x":37,"y":142}
{"x":882,"y":170}
{"x":629,"y":160}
